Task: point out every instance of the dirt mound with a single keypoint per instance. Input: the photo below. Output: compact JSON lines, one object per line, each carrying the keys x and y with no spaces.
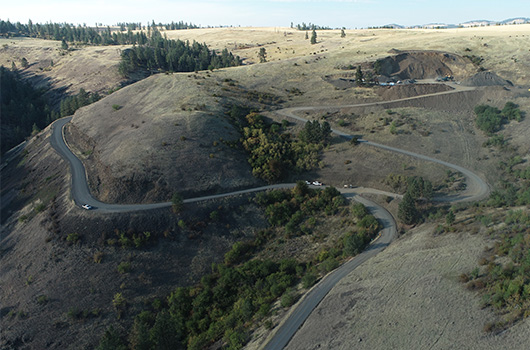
{"x":423,"y":65}
{"x":486,"y":79}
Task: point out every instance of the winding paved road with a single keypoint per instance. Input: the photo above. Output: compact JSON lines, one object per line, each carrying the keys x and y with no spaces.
{"x":476,"y":189}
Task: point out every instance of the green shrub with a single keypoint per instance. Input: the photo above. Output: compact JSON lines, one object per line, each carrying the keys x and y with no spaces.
{"x":288,"y":298}
{"x":182,"y":224}
{"x":309,"y":280}
{"x":238,"y":253}
{"x":124,"y":267}
{"x":329,"y":264}
{"x":359,"y":210}
{"x":116,"y":107}
{"x":72,"y":237}
{"x":40,"y":207}
{"x":42,"y":299}
{"x":512,"y":112}
{"x":177,"y":202}
{"x":489,"y":118}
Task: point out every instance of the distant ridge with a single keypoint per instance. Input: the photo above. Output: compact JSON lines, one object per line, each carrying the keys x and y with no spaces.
{"x":472,"y":23}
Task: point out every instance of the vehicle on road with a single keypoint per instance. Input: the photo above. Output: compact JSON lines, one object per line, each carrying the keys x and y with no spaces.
{"x":87,"y":206}
{"x":317,"y":183}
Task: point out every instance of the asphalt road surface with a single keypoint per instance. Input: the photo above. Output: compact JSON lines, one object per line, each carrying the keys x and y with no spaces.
{"x":298,"y":315}
{"x":476,"y":189}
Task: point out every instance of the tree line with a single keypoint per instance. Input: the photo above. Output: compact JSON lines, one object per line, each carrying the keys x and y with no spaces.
{"x":157,"y":53}
{"x":25,"y":110}
{"x":168,"y":26}
{"x":309,"y":26}
{"x":86,"y":35}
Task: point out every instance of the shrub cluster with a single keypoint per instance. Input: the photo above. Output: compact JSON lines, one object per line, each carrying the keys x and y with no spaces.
{"x":490,"y":119}
{"x":219,"y":311}
{"x":291,"y":208}
{"x":220,"y":307}
{"x":505,"y":283}
{"x":354,"y":242}
{"x":417,"y":188}
{"x":514,"y":189}
{"x":273,"y":154}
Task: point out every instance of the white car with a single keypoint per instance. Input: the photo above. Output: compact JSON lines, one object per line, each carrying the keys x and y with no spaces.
{"x":317,"y":183}
{"x":86,"y":206}
{"x":308,"y":183}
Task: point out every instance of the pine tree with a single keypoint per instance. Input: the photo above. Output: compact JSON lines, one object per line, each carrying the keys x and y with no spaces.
{"x":407,"y":211}
{"x":427,"y":189}
{"x":314,"y":37}
{"x":359,"y":76}
{"x":262,"y":55}
{"x":306,"y":36}
{"x":64,"y":45}
{"x":450,"y":218}
{"x":342,"y":33}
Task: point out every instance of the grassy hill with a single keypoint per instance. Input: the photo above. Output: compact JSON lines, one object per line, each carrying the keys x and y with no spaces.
{"x":170,"y":133}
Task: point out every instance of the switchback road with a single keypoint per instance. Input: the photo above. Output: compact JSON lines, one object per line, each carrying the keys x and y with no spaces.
{"x":476,"y":189}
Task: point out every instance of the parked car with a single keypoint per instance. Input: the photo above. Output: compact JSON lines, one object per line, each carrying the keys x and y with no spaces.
{"x":317,"y":183}
{"x":87,"y":206}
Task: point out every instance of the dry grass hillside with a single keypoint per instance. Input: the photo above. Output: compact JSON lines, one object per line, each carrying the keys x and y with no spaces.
{"x":92,"y":68}
{"x":169,"y":133}
{"x":504,"y":48}
{"x":410,"y":297}
{"x":162,"y":135}
{"x":134,"y":150}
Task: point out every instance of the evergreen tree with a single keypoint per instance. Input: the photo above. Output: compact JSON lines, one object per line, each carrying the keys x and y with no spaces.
{"x":262,"y":55}
{"x":314,"y":37}
{"x":450,"y":218}
{"x":164,"y":333}
{"x":306,"y":35}
{"x":177,"y":202}
{"x":64,"y":45}
{"x":359,"y":76}
{"x":407,"y":211}
{"x":427,"y":189}
{"x":111,"y":340}
{"x":342,"y":33}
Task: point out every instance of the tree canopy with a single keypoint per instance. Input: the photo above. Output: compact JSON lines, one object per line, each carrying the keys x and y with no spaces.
{"x":161,"y":54}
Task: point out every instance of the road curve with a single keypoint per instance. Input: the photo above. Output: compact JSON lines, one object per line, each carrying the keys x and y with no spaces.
{"x":310,"y":300}
{"x":81,"y":193}
{"x":476,"y":189}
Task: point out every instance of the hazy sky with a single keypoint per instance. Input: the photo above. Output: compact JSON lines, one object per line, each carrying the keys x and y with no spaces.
{"x":271,"y":13}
